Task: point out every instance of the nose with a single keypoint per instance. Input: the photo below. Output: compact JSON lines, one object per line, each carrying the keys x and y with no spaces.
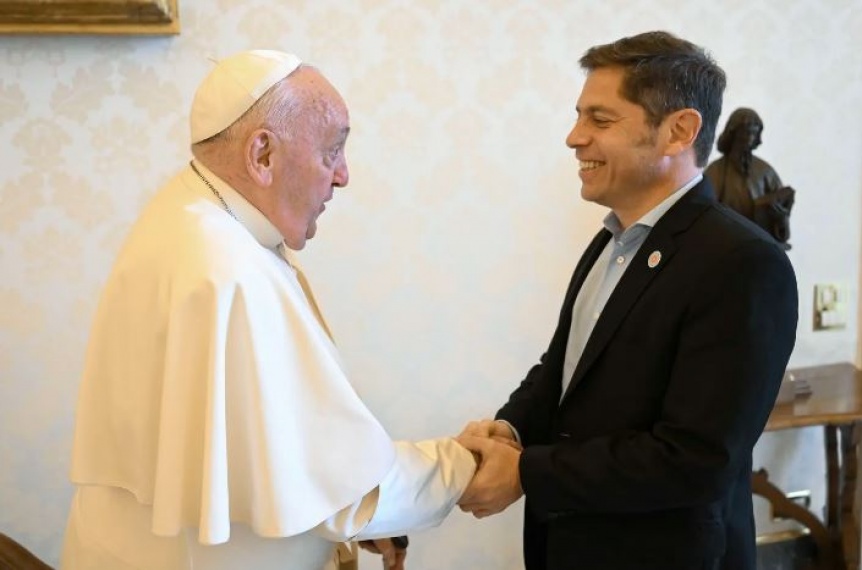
{"x":576,"y":137}
{"x":341,"y":175}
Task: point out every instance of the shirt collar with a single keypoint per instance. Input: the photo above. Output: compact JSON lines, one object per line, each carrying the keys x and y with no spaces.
{"x":612,"y":222}
{"x":250,"y":217}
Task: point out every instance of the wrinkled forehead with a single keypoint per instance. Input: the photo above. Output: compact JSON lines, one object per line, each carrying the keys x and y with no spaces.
{"x":319,"y":99}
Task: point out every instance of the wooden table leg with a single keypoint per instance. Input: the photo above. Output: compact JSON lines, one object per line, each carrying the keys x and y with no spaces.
{"x":849,"y":527}
{"x":833,"y":471}
{"x":834,"y":476}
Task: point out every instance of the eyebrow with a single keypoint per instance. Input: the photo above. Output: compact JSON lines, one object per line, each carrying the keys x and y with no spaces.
{"x":593,"y":109}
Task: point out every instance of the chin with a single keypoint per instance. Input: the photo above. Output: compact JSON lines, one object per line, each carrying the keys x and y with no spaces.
{"x":311,"y":232}
{"x":295,"y":243}
{"x":589,"y":194}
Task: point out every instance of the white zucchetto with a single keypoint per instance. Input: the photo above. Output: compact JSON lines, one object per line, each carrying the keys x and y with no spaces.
{"x":235,"y":84}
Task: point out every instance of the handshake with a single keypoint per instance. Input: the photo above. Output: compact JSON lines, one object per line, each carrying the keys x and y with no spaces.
{"x":497,"y":482}
{"x":495,"y":485}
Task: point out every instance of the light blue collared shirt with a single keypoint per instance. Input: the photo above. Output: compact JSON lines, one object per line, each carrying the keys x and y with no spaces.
{"x":607,"y":272}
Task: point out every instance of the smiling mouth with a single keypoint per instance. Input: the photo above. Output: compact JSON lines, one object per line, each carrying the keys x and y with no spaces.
{"x":588,"y":165}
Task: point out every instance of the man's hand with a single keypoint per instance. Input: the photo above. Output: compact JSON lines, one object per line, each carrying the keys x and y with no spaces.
{"x":393,"y":557}
{"x":497,"y":482}
{"x":493,"y":429}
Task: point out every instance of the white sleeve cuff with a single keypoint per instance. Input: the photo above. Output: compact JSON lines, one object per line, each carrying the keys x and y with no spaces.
{"x":422,"y":487}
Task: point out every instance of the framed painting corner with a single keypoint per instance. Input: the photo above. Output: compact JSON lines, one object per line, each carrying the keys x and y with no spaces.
{"x":113,"y":17}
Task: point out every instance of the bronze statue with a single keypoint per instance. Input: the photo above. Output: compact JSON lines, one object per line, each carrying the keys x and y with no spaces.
{"x":748,"y":184}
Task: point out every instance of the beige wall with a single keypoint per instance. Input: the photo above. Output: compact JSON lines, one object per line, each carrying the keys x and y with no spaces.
{"x":442,"y":266}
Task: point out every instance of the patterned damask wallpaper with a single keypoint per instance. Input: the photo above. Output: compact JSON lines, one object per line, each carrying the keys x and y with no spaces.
{"x":441,"y":267}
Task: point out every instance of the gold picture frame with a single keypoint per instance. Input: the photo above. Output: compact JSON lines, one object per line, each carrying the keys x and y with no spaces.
{"x":143,"y":17}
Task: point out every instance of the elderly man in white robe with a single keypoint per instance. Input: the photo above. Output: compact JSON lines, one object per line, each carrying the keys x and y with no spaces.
{"x":216,"y":428}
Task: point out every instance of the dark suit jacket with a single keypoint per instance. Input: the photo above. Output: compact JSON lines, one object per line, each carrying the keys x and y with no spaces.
{"x":646,"y":463}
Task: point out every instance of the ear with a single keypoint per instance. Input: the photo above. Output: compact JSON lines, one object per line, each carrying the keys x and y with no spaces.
{"x":683,"y":127}
{"x":260,"y":156}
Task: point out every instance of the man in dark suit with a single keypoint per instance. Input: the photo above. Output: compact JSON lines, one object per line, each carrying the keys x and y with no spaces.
{"x":637,"y":425}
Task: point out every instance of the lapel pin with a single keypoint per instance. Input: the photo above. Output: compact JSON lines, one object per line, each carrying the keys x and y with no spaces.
{"x":654,"y":259}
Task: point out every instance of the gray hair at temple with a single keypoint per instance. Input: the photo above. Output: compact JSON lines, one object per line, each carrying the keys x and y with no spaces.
{"x":664,"y":74}
{"x":277,"y":109}
{"x":742,"y":117}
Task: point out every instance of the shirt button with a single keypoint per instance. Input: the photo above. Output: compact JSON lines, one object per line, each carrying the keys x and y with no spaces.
{"x":621,"y":260}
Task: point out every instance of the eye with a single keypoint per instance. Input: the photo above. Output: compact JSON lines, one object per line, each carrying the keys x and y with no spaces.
{"x":332,"y":155}
{"x":602,"y":122}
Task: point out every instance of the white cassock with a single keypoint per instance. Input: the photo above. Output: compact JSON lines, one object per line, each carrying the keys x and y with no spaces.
{"x":215,"y":427}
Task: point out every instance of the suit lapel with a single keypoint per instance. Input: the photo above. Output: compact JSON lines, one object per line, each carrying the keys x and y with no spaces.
{"x":588,"y":259}
{"x":556,"y":354}
{"x":663,"y":239}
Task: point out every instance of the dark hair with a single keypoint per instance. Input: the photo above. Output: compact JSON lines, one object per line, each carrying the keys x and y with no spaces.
{"x":738,"y":119}
{"x":664,"y":74}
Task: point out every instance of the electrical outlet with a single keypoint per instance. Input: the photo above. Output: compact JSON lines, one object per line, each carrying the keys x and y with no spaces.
{"x":830,"y":307}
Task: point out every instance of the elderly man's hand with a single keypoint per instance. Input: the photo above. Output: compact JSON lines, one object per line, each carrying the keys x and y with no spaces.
{"x":393,"y":557}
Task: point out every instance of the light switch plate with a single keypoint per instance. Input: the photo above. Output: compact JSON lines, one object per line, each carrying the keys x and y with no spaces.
{"x":830,"y":306}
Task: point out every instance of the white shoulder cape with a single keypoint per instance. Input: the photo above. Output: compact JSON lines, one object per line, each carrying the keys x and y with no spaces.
{"x":210,"y":390}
